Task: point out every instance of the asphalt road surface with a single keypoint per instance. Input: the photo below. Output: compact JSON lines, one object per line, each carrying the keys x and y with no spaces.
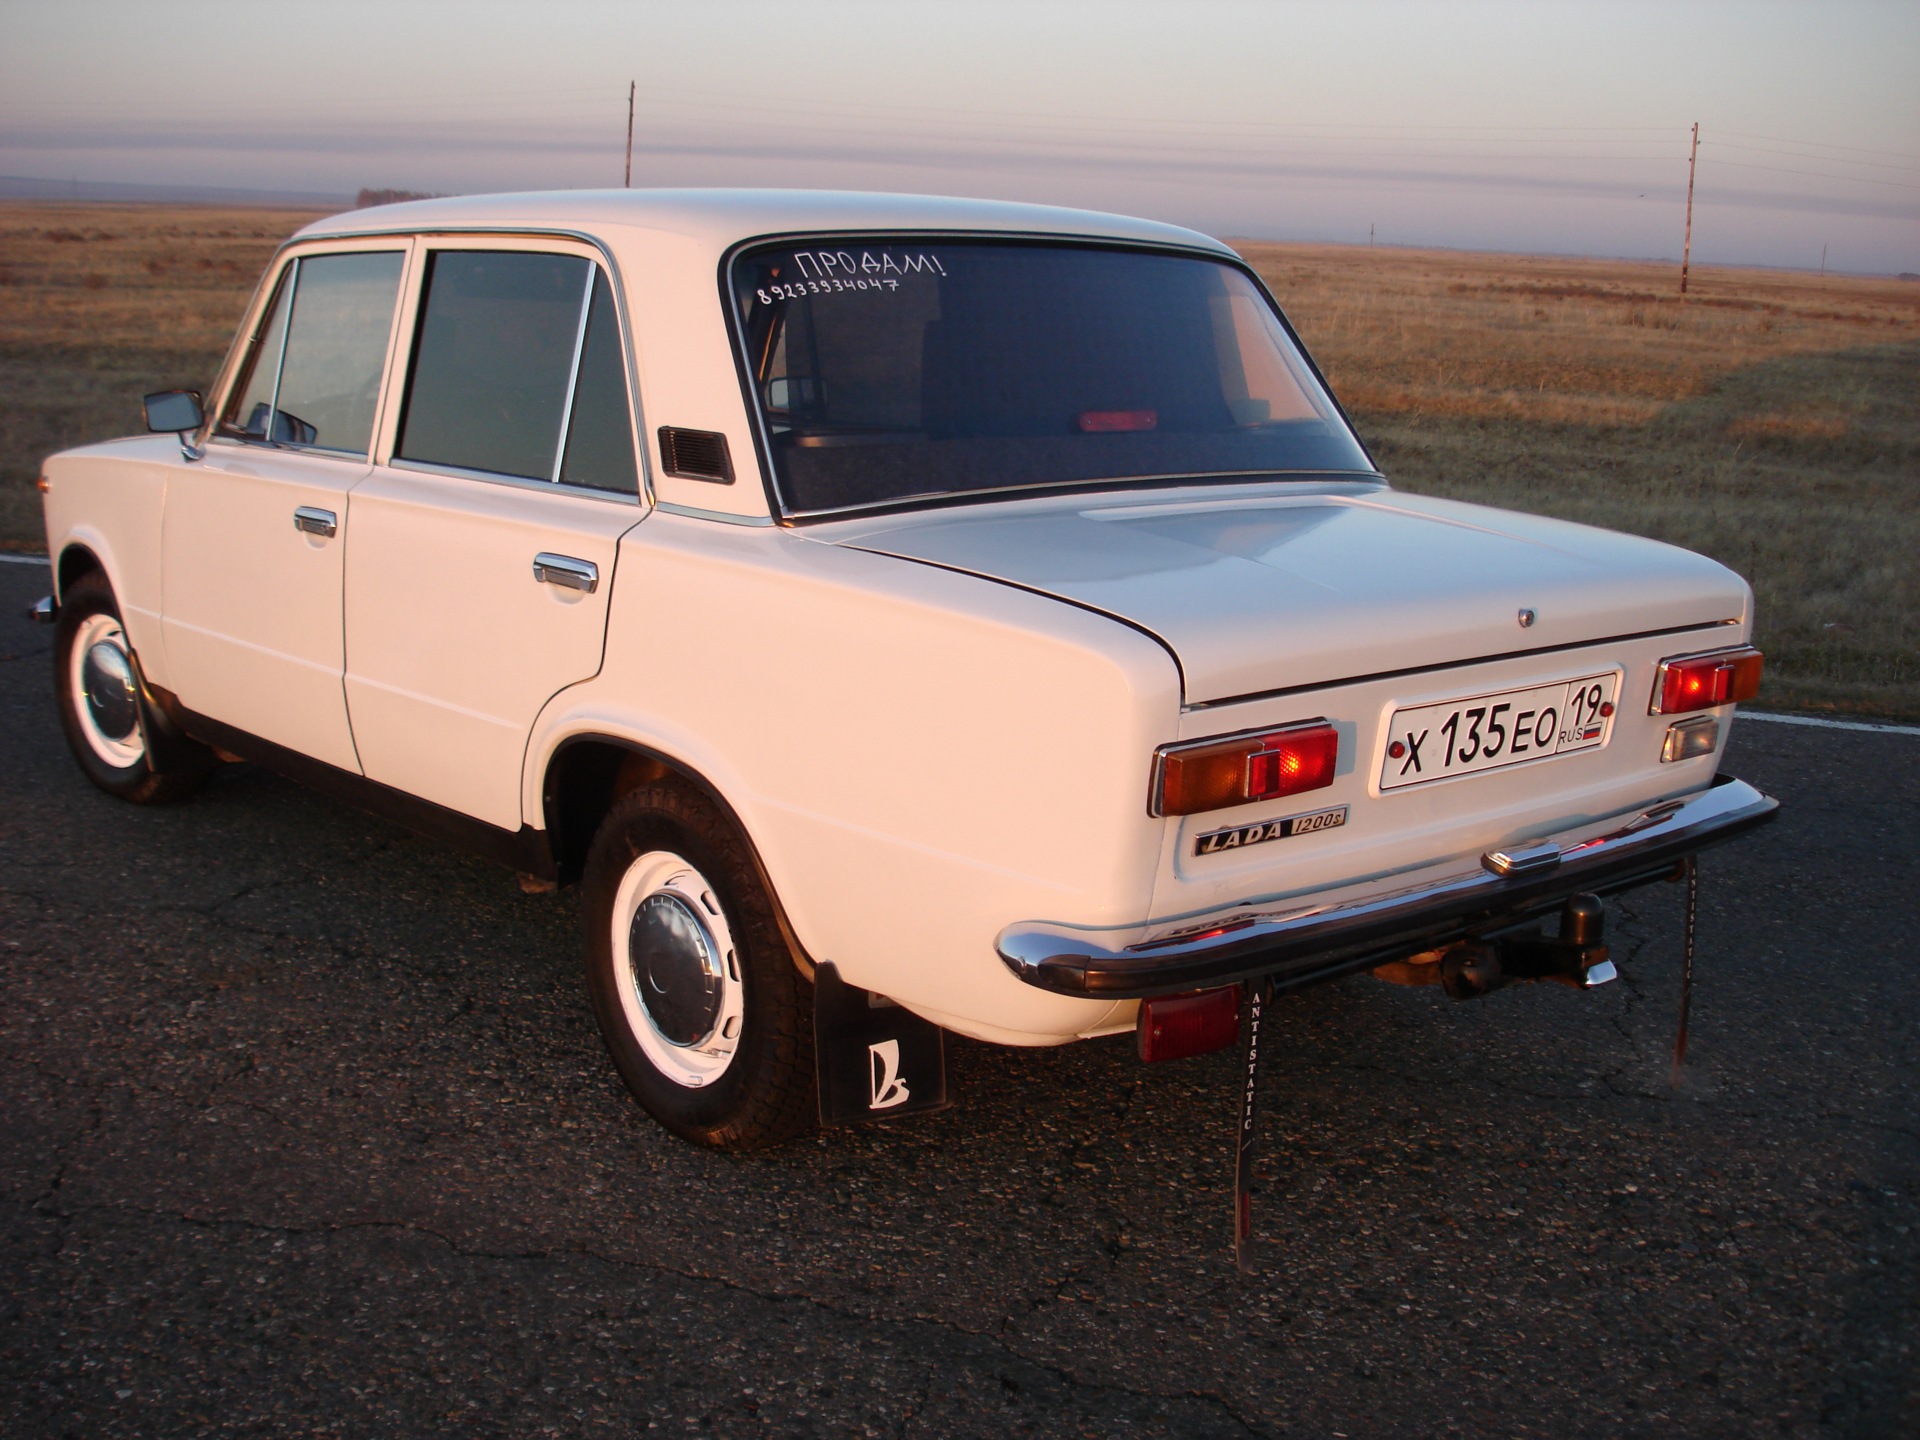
{"x":306,"y":1130}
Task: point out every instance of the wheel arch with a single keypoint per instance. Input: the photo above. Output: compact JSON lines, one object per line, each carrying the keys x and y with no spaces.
{"x":76,"y":558}
{"x":586,"y":775}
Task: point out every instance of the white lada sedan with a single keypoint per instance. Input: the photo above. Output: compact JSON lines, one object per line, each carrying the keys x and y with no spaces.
{"x":900,"y":616}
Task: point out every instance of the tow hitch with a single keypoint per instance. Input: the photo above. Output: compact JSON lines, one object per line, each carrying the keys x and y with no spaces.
{"x":1468,"y":969}
{"x":1577,"y":956}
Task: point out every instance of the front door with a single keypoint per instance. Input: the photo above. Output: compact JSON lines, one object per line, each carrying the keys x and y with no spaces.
{"x":254,"y":535}
{"x":482,"y":558}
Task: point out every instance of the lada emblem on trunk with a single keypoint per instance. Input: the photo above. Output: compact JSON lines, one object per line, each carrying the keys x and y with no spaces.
{"x":1217,"y":840}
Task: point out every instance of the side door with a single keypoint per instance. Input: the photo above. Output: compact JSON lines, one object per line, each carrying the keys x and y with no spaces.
{"x":253,"y":536}
{"x":483,"y":547}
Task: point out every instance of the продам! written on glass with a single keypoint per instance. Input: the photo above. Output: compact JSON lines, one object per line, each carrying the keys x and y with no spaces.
{"x":891,"y":371}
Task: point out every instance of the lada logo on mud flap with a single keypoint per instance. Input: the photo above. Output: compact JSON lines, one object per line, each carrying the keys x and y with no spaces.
{"x":888,"y":1088}
{"x":1241,"y":836}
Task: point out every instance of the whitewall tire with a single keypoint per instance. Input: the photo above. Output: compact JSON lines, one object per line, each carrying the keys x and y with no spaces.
{"x":122,"y":746}
{"x":704,"y":1012}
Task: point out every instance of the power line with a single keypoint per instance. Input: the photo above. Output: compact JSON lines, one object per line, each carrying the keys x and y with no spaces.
{"x":1802,"y":155}
{"x":671,"y":108}
{"x":1816,"y":175}
{"x":1822,"y":144}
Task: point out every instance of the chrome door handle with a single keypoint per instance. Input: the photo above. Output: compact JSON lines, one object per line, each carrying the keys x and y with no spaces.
{"x":566,"y":572}
{"x":314,"y":521}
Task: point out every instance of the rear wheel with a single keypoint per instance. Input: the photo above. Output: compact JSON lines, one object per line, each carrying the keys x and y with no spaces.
{"x":703,"y":1011}
{"x":107,"y":723}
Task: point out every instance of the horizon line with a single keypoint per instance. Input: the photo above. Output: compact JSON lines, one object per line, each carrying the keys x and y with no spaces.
{"x":340,"y":202}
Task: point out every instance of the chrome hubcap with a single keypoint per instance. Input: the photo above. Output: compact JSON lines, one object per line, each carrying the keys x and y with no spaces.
{"x":101,"y":679}
{"x":677,"y":970}
{"x":107,"y":680}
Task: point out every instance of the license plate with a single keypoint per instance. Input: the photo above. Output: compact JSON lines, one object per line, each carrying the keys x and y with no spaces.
{"x":1490,"y":732}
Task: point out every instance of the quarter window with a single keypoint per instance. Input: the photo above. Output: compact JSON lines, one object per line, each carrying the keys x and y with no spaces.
{"x":600,"y":438}
{"x":249,"y":412}
{"x":518,"y":370}
{"x":312,"y":378}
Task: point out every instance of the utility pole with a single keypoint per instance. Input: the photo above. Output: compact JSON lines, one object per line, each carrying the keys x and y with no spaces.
{"x":630,"y":137}
{"x":1369,"y":234}
{"x":1823,"y":262}
{"x":1686,"y":246}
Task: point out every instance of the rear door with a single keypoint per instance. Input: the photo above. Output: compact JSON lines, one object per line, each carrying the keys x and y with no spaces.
{"x":483,"y":546}
{"x":254,"y":534}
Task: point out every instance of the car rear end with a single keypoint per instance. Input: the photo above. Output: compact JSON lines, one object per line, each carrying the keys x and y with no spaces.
{"x":1387,"y":851}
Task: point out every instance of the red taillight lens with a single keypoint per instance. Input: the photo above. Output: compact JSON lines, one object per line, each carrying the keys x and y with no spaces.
{"x":1699,"y":682}
{"x":1214,"y":774}
{"x":1171,"y":1027}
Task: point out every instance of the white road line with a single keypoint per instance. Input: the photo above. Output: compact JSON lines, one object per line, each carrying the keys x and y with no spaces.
{"x":13,"y":559}
{"x":1827,"y":724}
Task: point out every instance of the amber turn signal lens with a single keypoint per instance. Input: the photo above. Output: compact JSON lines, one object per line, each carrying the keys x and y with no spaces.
{"x":1214,"y":774}
{"x":1699,"y":682}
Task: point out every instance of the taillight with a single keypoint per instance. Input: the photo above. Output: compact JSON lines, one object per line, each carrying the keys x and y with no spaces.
{"x":1213,"y":774}
{"x":1699,"y":682}
{"x":1172,"y":1027}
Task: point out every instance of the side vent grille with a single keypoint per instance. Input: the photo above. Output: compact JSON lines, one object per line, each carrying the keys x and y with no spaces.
{"x":696,"y":454}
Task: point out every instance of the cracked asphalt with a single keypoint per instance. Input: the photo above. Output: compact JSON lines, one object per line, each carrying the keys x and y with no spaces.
{"x":307,"y":1131}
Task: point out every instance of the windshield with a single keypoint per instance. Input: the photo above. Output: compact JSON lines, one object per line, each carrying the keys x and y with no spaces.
{"x":902,"y":370}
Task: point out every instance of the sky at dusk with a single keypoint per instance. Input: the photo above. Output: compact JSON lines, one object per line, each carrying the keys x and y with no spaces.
{"x":1536,"y":126}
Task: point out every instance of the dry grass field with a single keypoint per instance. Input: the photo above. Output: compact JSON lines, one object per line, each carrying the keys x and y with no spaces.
{"x":1771,"y":420}
{"x":100,"y":304}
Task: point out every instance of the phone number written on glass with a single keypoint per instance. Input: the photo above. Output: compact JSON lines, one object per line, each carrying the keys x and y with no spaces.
{"x":831,"y":272}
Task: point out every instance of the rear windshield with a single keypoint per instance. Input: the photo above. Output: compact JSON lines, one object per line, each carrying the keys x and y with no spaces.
{"x":905,"y":370}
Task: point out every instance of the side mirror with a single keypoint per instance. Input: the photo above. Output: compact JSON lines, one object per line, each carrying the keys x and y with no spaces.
{"x":173,"y":410}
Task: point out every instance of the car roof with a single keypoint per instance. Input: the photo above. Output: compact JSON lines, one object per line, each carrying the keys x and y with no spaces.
{"x":723,"y":218}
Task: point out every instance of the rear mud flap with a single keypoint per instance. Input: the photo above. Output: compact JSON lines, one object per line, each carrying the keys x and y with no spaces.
{"x":877,"y":1060}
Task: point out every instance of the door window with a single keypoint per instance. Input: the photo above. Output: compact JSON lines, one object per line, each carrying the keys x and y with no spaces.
{"x":518,"y":370}
{"x":312,"y":378}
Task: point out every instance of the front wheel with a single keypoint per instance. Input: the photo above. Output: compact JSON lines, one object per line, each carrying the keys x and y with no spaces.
{"x":107,"y":723}
{"x":706,"y":1017}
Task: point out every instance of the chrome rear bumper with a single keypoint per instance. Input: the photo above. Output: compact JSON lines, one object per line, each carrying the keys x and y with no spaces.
{"x":1300,"y":944}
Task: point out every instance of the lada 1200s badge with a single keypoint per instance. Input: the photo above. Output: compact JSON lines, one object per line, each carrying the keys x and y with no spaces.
{"x":1241,"y":836}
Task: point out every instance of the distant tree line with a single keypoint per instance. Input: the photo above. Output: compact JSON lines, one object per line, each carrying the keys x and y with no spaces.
{"x":390,"y":197}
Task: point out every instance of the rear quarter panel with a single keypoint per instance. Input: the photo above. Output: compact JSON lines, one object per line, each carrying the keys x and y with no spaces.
{"x":920,"y":757}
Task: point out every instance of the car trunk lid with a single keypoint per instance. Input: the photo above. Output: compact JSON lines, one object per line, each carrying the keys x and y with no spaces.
{"x":1280,"y":590}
